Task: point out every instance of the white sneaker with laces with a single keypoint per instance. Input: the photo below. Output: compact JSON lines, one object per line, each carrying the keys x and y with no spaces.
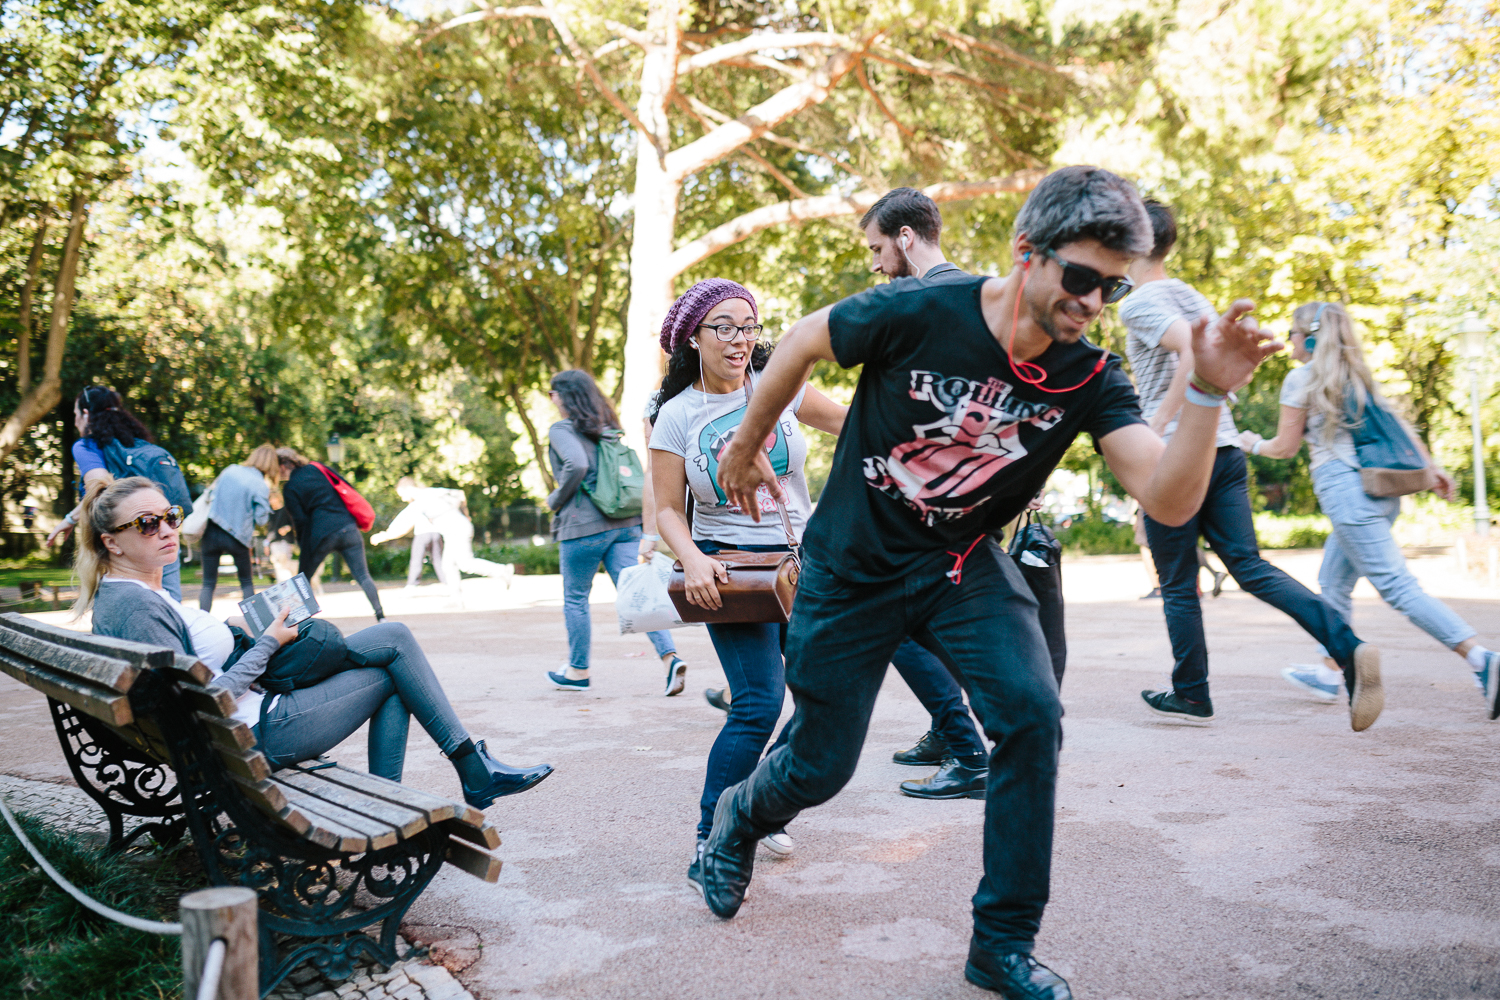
{"x":1304,"y":677}
{"x":779,"y":843}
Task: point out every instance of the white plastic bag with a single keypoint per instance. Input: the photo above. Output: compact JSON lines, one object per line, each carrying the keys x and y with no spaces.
{"x":641,"y":597}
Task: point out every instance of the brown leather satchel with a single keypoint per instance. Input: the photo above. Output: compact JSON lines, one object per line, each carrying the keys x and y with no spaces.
{"x":761,"y":586}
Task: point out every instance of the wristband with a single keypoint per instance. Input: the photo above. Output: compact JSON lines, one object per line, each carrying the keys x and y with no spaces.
{"x":1205,"y":386}
{"x":1255,"y":448}
{"x":650,"y":538}
{"x":1198,"y":397}
{"x":70,"y":519}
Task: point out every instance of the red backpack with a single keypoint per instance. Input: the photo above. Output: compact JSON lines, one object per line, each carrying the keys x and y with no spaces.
{"x":358,"y":506}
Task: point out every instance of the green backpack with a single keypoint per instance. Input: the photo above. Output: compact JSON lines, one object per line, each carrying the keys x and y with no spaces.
{"x":620,"y":479}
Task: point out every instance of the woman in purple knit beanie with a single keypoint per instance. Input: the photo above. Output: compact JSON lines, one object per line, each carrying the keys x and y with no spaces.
{"x":712,"y":334}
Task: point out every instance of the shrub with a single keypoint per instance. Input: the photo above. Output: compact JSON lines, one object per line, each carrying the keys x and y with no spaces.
{"x":1097,"y":537}
{"x":389,"y":562}
{"x":1291,"y":531}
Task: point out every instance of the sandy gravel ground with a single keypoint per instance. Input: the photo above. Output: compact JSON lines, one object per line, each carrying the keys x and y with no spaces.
{"x":1273,"y":854}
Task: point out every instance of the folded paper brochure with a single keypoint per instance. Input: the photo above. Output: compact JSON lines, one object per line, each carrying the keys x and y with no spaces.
{"x":293,"y":596}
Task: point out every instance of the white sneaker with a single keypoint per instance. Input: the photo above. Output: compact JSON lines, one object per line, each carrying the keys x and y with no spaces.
{"x":779,"y":843}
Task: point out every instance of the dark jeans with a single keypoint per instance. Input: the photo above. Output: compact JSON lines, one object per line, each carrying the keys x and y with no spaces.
{"x":420,"y":543}
{"x":217,"y":541}
{"x":842,"y":636}
{"x":1224,"y":520}
{"x":313,"y":720}
{"x":349,"y":543}
{"x":751,"y":656}
{"x":939,"y":693}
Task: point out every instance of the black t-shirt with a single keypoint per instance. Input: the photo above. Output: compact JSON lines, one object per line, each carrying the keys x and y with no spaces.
{"x":943,"y":442}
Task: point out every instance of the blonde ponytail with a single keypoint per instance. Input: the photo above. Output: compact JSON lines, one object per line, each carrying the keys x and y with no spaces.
{"x":1338,"y":366}
{"x":98,"y":516}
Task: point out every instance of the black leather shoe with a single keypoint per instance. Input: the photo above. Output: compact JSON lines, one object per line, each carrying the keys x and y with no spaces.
{"x":930,"y":750}
{"x":952,"y":781}
{"x":728,"y":858}
{"x":715,"y":697}
{"x":1016,"y":976}
{"x":504,"y":779}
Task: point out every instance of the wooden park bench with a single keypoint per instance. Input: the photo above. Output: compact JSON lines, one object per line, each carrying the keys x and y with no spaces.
{"x":331,"y":851}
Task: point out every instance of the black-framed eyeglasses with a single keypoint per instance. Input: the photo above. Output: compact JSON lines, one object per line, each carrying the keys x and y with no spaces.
{"x":726,"y":331}
{"x":150,"y":524}
{"x":1080,"y":280}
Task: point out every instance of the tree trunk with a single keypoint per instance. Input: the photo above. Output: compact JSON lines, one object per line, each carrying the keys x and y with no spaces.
{"x":28,"y":291}
{"x":45,"y":394}
{"x":537,"y":450}
{"x":655,"y":221}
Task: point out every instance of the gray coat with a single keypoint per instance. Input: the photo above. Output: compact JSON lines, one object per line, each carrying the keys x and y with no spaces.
{"x":126,"y":611}
{"x":574,"y":461}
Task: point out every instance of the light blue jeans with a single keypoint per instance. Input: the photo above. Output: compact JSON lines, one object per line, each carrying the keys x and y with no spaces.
{"x":1361,"y":546}
{"x":618,"y":549}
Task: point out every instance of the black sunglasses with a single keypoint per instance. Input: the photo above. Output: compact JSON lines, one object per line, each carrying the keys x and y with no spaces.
{"x":1080,"y":280}
{"x":150,"y":524}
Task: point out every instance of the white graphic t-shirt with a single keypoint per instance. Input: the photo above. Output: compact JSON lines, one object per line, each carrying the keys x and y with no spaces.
{"x":698,"y":427}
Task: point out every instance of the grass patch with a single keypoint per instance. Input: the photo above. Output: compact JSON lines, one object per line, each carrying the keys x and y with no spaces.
{"x":52,"y":948}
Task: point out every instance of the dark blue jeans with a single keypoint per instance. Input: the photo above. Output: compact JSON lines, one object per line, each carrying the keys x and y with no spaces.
{"x":1225,"y":521}
{"x":939,"y":693}
{"x":840,"y":640}
{"x":751,"y":656}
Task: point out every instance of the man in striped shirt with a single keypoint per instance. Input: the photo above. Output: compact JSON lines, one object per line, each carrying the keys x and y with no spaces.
{"x":1158,"y":316}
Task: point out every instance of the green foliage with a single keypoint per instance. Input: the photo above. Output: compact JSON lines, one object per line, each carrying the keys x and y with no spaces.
{"x":1096,"y":536}
{"x":52,"y":948}
{"x":1291,"y":531}
{"x":390,"y":561}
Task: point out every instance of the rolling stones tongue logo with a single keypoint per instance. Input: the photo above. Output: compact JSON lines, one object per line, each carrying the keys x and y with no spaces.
{"x":943,"y":473}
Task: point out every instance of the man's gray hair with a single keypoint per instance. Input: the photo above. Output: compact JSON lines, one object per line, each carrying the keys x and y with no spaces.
{"x":1086,"y":203}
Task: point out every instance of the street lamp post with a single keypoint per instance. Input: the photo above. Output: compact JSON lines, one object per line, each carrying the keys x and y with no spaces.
{"x":1475,"y":331}
{"x":335,"y":451}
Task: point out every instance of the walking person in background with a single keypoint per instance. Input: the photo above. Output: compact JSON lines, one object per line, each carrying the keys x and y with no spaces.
{"x":1320,"y":402}
{"x":241,"y":501}
{"x":109,"y":436}
{"x":447,"y":511}
{"x":425,"y":537}
{"x":323,"y":523}
{"x":1158,"y":316}
{"x":585,"y":537}
{"x":712,"y":335}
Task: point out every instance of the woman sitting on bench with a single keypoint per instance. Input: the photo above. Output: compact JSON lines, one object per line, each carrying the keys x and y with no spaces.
{"x":128,"y":532}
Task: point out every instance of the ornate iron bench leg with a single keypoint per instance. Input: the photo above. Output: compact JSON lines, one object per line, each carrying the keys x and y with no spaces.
{"x":124,"y":781}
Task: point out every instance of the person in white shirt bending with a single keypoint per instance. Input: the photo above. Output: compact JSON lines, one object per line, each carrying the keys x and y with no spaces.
{"x":447,"y":511}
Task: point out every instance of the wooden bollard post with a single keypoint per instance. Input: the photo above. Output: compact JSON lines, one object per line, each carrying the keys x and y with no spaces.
{"x":231,"y":913}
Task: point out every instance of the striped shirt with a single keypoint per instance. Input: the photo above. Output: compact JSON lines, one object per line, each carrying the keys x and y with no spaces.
{"x":1148,"y":312}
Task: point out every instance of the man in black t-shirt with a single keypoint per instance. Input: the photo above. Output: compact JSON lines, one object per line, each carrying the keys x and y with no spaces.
{"x":971,"y":392}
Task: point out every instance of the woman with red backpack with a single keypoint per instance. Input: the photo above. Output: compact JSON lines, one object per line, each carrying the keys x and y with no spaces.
{"x":324,"y":522}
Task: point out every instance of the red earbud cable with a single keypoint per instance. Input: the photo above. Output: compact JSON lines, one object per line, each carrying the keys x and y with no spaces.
{"x":1041,"y":373}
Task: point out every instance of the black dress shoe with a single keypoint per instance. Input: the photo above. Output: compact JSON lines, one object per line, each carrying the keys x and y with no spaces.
{"x":930,"y":750}
{"x":1016,"y":976}
{"x":952,"y":781}
{"x":715,"y":697}
{"x":728,"y":858}
{"x":505,"y":779}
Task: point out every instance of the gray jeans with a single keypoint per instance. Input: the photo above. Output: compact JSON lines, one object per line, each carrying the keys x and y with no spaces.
{"x":314,"y":720}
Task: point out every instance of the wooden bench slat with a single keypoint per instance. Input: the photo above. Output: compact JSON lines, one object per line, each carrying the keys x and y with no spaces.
{"x":210,"y":700}
{"x":473,"y":860}
{"x":436,"y":807}
{"x":108,"y":672}
{"x":288,"y":816}
{"x":486,"y":836}
{"x":137,"y":653}
{"x":228,"y":732}
{"x":188,"y":670}
{"x":406,"y":821}
{"x":101,"y":703}
{"x":143,"y":734}
{"x":251,"y":764}
{"x":358,"y":832}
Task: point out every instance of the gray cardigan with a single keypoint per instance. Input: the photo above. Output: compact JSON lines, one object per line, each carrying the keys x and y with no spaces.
{"x":573,"y":458}
{"x":126,"y":611}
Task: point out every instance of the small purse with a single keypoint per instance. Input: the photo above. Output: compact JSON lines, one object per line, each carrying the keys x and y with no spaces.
{"x":761,"y":585}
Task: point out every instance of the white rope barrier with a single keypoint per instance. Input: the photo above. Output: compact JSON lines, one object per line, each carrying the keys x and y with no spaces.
{"x":213,"y":968}
{"x":150,"y":926}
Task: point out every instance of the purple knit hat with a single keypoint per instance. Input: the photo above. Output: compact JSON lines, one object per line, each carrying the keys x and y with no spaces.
{"x":693,"y":305}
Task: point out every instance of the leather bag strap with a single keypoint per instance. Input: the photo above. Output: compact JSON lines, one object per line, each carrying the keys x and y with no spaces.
{"x":786,"y":519}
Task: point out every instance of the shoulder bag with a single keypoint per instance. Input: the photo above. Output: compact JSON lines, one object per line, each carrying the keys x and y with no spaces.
{"x":358,"y":507}
{"x":762,"y":585}
{"x":1390,"y":463}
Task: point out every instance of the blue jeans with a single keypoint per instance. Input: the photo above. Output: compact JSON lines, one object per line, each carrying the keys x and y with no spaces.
{"x":751,"y":656}
{"x":618,"y":549}
{"x":1225,"y":520}
{"x":985,"y":629}
{"x":1361,"y":546}
{"x":939,"y":693}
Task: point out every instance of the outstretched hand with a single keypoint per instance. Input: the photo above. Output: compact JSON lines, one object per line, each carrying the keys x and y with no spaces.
{"x":1227,"y":351}
{"x":741,"y":472}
